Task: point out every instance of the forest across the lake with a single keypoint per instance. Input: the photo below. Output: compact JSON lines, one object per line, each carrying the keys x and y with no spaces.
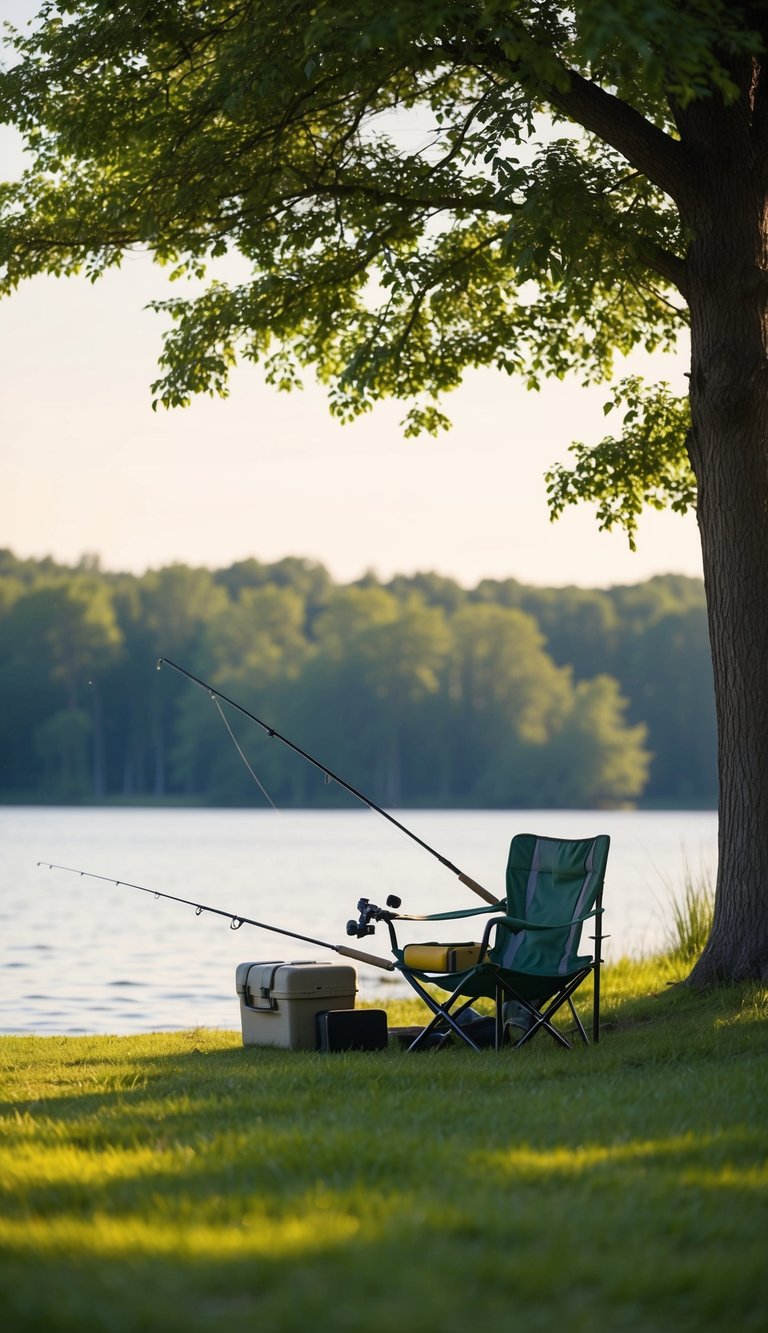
{"x":417,"y":690}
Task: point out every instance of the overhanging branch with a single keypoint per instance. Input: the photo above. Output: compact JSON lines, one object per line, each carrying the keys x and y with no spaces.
{"x":648,"y":149}
{"x":657,"y":155}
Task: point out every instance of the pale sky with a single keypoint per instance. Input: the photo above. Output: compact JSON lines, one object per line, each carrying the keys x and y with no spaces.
{"x":87,"y":467}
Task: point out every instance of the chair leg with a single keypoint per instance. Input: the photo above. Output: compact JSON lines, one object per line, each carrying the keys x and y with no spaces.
{"x":425,"y":1032}
{"x":561,"y":999}
{"x":434,"y":1024}
{"x":598,"y":958}
{"x":578,"y":1022}
{"x":540,"y":1017}
{"x":498,"y":1030}
{"x":542,"y":1021}
{"x":543,"y":1016}
{"x":441,"y":1013}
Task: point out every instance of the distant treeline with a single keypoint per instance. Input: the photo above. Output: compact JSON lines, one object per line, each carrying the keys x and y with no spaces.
{"x":418,"y":691}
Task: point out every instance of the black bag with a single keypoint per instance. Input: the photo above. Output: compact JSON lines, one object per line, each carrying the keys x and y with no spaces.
{"x":352,"y":1030}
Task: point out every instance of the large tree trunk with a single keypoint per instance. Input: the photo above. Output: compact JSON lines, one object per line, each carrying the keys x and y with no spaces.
{"x":726,"y":274}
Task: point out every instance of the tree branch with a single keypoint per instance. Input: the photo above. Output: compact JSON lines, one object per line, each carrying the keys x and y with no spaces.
{"x":436,"y":200}
{"x":669,"y":266}
{"x":657,"y":155}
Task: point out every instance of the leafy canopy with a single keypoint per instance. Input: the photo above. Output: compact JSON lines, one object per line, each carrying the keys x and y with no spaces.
{"x":373,"y":191}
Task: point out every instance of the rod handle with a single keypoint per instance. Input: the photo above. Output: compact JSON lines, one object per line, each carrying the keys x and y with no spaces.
{"x":478,"y":889}
{"x":365,"y":957}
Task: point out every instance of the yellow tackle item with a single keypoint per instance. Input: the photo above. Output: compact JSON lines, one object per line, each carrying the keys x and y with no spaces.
{"x":441,"y":957}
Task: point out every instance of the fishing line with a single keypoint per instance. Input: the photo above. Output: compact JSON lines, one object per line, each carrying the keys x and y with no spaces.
{"x":236,"y":920}
{"x":331,"y":777}
{"x":260,"y":786}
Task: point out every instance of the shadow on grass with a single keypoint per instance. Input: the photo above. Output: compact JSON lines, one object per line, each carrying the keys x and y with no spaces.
{"x":187,"y":1182}
{"x":342,"y":1219}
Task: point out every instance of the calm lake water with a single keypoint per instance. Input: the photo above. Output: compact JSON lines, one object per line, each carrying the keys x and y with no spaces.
{"x":80,"y":955}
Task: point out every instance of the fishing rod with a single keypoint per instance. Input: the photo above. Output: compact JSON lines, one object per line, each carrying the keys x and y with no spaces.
{"x":234,"y":918}
{"x":331,"y":777}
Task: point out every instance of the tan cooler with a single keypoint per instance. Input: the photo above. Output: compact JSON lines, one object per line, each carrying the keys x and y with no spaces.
{"x":279,"y":1001}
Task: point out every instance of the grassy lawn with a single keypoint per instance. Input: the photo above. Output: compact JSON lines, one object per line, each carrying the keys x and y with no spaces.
{"x":183,"y":1181}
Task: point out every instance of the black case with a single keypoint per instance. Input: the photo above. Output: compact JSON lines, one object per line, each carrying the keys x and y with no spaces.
{"x":352,"y":1030}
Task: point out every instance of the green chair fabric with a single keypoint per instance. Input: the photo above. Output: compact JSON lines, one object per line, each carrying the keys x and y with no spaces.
{"x":535,"y":951}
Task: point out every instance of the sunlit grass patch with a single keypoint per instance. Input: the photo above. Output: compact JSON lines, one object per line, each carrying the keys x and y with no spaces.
{"x":106,"y":1237}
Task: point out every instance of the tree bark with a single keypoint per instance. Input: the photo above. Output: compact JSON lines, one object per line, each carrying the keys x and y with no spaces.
{"x":727,"y":272}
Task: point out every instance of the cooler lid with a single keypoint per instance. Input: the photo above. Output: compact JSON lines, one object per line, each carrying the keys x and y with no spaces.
{"x":305,"y":980}
{"x":300,"y":980}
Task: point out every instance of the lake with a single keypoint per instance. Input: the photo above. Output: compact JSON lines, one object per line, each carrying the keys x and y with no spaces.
{"x":80,"y":955}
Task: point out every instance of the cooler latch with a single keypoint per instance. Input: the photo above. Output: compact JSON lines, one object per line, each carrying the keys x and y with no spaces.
{"x":263,"y":999}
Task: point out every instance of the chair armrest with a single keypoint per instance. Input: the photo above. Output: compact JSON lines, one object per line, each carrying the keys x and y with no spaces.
{"x":521,"y":924}
{"x":448,"y":916}
{"x":528,"y":925}
{"x":489,"y":926}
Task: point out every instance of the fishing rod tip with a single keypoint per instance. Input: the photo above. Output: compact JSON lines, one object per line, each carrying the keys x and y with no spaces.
{"x":160,"y":661}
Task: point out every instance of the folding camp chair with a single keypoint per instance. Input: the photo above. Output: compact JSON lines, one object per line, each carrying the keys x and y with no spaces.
{"x":528,"y":959}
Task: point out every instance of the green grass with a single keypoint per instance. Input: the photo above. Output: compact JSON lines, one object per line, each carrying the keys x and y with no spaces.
{"x":691,"y":911}
{"x":185,"y":1182}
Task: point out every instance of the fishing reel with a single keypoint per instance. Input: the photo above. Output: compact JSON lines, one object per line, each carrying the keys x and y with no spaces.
{"x":369,"y":914}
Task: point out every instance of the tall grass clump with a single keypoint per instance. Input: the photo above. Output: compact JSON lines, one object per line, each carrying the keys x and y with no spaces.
{"x":691,"y":911}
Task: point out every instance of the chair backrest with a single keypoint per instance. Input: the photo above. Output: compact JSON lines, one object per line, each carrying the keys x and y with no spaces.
{"x":550,"y":881}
